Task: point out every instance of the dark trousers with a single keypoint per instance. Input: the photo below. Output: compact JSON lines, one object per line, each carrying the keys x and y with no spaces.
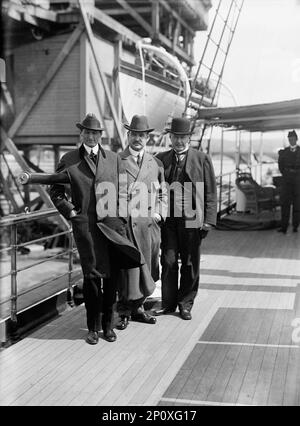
{"x":177,"y":241}
{"x":290,"y":197}
{"x":99,"y":296}
{"x":128,"y":307}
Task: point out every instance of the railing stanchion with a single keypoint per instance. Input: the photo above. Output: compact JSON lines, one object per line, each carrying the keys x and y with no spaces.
{"x":14,"y":290}
{"x":70,"y":290}
{"x":229,"y":189}
{"x":221,"y":170}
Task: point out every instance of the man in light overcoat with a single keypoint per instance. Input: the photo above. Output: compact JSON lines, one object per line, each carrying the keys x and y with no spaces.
{"x":147,"y":207}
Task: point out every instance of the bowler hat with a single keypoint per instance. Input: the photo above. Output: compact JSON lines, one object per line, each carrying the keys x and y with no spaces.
{"x":139,"y":123}
{"x":180,"y":126}
{"x":90,"y":122}
{"x":292,"y":133}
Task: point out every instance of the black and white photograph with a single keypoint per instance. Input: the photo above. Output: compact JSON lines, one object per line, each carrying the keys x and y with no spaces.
{"x":150,"y":207}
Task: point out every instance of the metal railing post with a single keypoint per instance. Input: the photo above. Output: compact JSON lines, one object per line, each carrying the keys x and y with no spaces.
{"x":13,"y":257}
{"x":221,"y":169}
{"x":70,"y":290}
{"x":229,"y":189}
{"x":261,"y":153}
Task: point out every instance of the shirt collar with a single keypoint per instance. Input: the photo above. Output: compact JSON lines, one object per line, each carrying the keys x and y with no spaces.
{"x":88,"y":149}
{"x":182,"y":152}
{"x":136,"y":153}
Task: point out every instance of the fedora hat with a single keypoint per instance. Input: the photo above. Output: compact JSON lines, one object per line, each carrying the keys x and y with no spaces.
{"x":292,"y":133}
{"x":90,"y":122}
{"x":139,"y":123}
{"x":180,"y":126}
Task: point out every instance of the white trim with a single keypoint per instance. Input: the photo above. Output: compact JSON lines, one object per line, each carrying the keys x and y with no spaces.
{"x":261,"y":345}
{"x":196,"y":402}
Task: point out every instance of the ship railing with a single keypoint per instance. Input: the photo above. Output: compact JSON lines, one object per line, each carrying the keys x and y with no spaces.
{"x":226,"y":201}
{"x":226,"y":192}
{"x":227,"y":189}
{"x":9,"y":227}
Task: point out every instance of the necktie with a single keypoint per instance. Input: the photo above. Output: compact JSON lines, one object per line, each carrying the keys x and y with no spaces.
{"x":180,"y":157}
{"x":93,"y":156}
{"x":138,"y":160}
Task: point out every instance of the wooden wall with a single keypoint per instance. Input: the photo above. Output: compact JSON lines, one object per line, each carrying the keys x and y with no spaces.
{"x":75,"y":90}
{"x":58,"y":108}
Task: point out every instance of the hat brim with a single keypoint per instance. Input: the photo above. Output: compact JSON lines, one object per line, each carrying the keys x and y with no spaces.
{"x":178,"y":133}
{"x":81,"y":127}
{"x":137,"y":130}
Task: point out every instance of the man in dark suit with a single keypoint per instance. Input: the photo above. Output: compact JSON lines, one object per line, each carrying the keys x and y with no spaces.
{"x":192,"y":213}
{"x":93,"y":175}
{"x":289,"y":166}
{"x":144,"y":180}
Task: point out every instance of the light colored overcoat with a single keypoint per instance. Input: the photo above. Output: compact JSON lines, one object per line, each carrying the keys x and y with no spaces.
{"x":146,"y":195}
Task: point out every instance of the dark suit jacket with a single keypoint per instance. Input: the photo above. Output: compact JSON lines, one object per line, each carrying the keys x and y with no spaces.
{"x":289,"y":164}
{"x":200,"y":171}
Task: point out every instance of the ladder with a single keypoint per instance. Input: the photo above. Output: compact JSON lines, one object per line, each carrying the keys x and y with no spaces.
{"x":212,"y":63}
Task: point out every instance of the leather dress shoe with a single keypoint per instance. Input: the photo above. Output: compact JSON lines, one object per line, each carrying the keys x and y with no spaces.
{"x":164,"y":311}
{"x":92,"y":337}
{"x":143,"y":317}
{"x":281,"y":230}
{"x":123,"y":323}
{"x":109,"y":335}
{"x":185,"y":314}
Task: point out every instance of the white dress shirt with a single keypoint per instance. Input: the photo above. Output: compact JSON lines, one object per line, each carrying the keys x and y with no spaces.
{"x":180,"y":156}
{"x":135,"y":154}
{"x":89,"y":149}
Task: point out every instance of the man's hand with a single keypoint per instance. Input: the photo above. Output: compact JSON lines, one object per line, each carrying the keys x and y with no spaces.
{"x":73,"y":213}
{"x":157,"y":217}
{"x":204,"y":230}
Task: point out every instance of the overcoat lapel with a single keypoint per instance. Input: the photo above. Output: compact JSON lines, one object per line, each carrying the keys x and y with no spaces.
{"x":85,"y":157}
{"x":131,"y":168}
{"x":188,"y":165}
{"x":97,"y":169}
{"x":168,"y":164}
{"x":103,"y":167}
{"x":145,"y":166}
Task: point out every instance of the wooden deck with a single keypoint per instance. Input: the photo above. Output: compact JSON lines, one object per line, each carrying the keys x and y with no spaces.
{"x":239,"y":349}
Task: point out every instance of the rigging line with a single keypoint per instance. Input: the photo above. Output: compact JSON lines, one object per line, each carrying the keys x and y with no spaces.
{"x":13,"y":177}
{"x":143,"y":77}
{"x":214,"y":60}
{"x":228,"y":47}
{"x":232,"y":31}
{"x":193,"y":86}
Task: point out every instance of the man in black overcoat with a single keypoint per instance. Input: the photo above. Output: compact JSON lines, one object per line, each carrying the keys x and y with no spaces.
{"x":192,"y":213}
{"x":289,"y":166}
{"x":100,"y":235}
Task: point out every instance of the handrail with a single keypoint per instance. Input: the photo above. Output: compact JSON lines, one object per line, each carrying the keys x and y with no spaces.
{"x":227,"y":187}
{"x":14,"y":219}
{"x":12,"y":222}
